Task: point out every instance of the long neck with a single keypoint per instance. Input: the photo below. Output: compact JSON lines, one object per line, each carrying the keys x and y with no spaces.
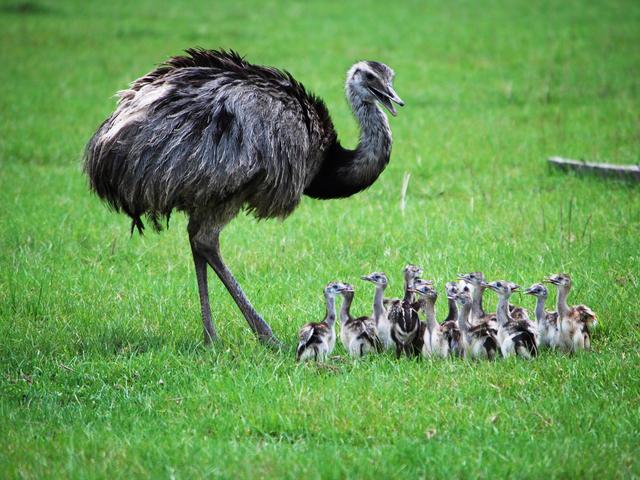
{"x":463,"y":315}
{"x":502,"y":312}
{"x":409,"y":280}
{"x":408,"y":295}
{"x":562,"y":306}
{"x":345,"y":313}
{"x":540,"y":309}
{"x":453,"y":310}
{"x":330,"y":317}
{"x":344,"y":172}
{"x":476,"y":305}
{"x":429,"y":308}
{"x":378,"y":306}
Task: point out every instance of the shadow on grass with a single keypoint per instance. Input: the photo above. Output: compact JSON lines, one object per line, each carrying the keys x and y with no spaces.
{"x":27,"y":8}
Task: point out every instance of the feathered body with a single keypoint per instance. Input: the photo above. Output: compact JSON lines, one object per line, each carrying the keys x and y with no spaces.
{"x":405,"y":325}
{"x":316,"y":341}
{"x":209,"y":132}
{"x":359,"y":336}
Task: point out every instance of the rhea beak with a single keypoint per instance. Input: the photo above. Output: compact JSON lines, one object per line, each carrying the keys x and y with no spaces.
{"x":366,"y":278}
{"x":528,"y":291}
{"x":386,"y":96}
{"x":347,"y":288}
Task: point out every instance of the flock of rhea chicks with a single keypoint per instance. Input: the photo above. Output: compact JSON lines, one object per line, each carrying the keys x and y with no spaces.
{"x":467,"y":331}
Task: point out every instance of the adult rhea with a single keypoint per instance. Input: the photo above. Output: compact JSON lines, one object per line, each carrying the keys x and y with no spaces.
{"x":210,"y":134}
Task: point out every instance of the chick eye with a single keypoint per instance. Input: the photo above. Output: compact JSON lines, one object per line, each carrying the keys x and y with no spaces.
{"x":369,"y":76}
{"x":498,"y":284}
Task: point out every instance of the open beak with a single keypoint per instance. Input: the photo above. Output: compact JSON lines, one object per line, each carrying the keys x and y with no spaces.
{"x":386,"y":96}
{"x":550,"y":280}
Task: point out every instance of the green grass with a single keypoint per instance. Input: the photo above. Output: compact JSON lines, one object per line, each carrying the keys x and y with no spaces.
{"x":102,"y":369}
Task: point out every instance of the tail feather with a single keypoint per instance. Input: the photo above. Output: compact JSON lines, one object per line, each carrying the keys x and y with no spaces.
{"x":525,"y":345}
{"x":372,"y":339}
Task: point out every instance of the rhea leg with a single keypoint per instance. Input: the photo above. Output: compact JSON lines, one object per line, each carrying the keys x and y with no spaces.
{"x":208,"y":247}
{"x":203,"y":291}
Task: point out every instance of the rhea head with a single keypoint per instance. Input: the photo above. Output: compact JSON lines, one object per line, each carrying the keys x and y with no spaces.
{"x":560,"y":280}
{"x":379,"y":279}
{"x":370,"y":82}
{"x":334,"y":288}
{"x":474,"y":278}
{"x":537,"y":290}
{"x":424,"y":288}
{"x":502,"y":287}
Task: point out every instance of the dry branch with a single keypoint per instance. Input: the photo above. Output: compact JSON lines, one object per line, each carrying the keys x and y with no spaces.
{"x":630,"y":172}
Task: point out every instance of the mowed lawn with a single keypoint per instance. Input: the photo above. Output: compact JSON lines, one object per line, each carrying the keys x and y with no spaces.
{"x":102,"y":368}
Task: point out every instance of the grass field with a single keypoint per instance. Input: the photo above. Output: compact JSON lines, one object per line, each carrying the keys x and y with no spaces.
{"x":103,"y":373}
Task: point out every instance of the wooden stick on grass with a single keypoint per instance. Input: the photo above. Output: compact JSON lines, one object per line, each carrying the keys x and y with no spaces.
{"x":629,"y":172}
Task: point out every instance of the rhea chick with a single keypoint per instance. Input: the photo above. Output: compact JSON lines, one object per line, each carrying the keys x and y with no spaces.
{"x":547,"y":321}
{"x":404,"y":320}
{"x":434,"y":341}
{"x":515,"y":337}
{"x":574,"y":323}
{"x":379,"y":279}
{"x":316,"y":340}
{"x":358,"y":335}
{"x":450,"y":324}
{"x":478,"y":341}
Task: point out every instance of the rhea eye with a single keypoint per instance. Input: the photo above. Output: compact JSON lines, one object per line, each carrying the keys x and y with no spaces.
{"x":498,"y":284}
{"x":370,"y":76}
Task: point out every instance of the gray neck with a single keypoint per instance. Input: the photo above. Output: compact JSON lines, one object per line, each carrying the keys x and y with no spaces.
{"x":502,"y":312}
{"x":562,"y":306}
{"x":346,"y":307}
{"x":540,"y":309}
{"x":330,"y":317}
{"x":463,"y":315}
{"x":476,"y":306}
{"x":374,"y":145}
{"x":408,"y":283}
{"x":453,"y":310}
{"x":429,"y":308}
{"x":378,"y":305}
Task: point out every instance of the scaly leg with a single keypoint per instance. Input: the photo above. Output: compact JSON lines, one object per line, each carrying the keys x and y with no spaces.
{"x":203,"y":291}
{"x":210,"y":250}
